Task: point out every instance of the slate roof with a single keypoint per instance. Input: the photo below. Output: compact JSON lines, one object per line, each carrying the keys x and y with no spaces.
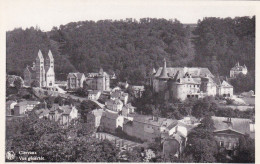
{"x":116,"y":101}
{"x":194,"y":71}
{"x":240,"y":125}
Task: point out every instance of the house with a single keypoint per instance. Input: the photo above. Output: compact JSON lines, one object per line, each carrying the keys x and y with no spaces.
{"x":9,"y":107}
{"x":228,"y":131}
{"x":75,"y":80}
{"x":95,"y":117}
{"x":248,"y":94}
{"x":128,"y":109}
{"x":94,"y":95}
{"x":138,"y":90}
{"x":63,"y":114}
{"x":41,"y":74}
{"x":69,"y":113}
{"x":225,"y":89}
{"x":24,"y":106}
{"x":42,"y":113}
{"x":148,"y":128}
{"x":120,"y":95}
{"x":114,"y":105}
{"x":110,"y":121}
{"x":12,"y":78}
{"x":98,"y":81}
{"x":237,"y":69}
{"x":124,"y":85}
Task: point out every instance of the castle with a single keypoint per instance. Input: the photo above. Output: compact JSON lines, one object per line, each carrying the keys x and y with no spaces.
{"x":237,"y":70}
{"x":41,"y":74}
{"x":185,"y":82}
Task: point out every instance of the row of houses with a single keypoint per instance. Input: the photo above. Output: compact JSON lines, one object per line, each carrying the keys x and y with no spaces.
{"x":62,"y":114}
{"x":94,"y":81}
{"x":147,"y":128}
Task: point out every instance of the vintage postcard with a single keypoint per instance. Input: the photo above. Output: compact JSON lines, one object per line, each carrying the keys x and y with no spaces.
{"x":129,"y":81}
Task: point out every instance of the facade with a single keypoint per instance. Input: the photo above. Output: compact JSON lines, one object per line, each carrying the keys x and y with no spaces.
{"x":108,"y":121}
{"x":237,"y":69}
{"x":75,"y":80}
{"x":41,"y":74}
{"x":127,"y":109}
{"x":10,"y":107}
{"x":120,"y":95}
{"x":98,"y":81}
{"x":115,"y":105}
{"x":225,"y":89}
{"x":185,"y":82}
{"x":138,"y":90}
{"x":94,"y":95}
{"x":22,"y":107}
{"x":95,"y":117}
{"x":63,"y":114}
{"x":228,"y":131}
{"x":148,"y":128}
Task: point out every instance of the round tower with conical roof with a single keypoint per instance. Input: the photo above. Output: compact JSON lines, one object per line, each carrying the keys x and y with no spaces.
{"x":163,"y":78}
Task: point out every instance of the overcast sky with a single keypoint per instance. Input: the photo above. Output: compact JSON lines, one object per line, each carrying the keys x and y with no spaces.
{"x":46,"y":14}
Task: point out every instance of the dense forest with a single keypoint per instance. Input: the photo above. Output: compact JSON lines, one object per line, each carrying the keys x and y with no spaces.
{"x":130,"y":48}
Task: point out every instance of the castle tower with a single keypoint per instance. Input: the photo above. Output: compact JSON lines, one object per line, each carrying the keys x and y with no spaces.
{"x":163,"y":78}
{"x":40,"y":70}
{"x":49,"y":67}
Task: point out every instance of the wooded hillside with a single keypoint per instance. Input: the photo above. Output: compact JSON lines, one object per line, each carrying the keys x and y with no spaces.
{"x":131,"y":48}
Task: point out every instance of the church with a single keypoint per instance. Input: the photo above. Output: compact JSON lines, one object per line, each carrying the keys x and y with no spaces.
{"x":41,"y":74}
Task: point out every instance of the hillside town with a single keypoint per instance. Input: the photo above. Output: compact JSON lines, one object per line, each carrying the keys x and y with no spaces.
{"x":170,"y":110}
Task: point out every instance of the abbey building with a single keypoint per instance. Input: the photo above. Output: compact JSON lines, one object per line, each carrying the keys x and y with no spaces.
{"x":41,"y":74}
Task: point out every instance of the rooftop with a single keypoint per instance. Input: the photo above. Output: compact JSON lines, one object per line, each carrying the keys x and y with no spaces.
{"x":240,"y":125}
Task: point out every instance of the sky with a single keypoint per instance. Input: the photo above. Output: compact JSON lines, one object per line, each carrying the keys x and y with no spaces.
{"x":46,"y":14}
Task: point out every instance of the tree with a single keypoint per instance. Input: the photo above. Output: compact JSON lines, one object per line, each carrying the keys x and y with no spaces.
{"x":246,"y":150}
{"x":201,"y":144}
{"x":18,"y":83}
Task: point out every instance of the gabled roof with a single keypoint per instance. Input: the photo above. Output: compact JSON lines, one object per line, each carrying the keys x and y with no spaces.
{"x":226,"y":84}
{"x":116,"y":101}
{"x":240,"y":125}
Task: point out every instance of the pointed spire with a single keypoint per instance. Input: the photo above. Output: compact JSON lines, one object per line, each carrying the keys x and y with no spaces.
{"x":164,"y":74}
{"x":50,"y":55}
{"x":153,"y":71}
{"x":40,"y":54}
{"x":101,"y":70}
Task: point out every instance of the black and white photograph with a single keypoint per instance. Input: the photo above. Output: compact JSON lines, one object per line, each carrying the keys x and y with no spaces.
{"x":129,"y":81}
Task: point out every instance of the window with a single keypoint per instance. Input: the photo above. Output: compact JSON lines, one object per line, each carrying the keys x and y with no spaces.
{"x":221,"y":143}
